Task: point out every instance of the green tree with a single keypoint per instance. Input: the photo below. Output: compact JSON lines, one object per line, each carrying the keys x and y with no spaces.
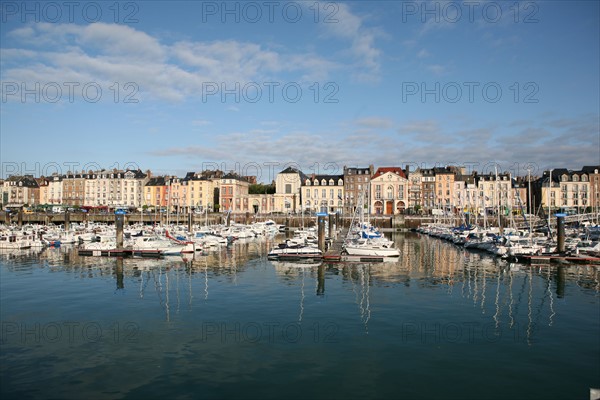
{"x":260,"y":188}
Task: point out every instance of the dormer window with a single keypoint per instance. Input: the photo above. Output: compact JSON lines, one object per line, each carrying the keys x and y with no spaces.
{"x":323,"y":182}
{"x":331,"y":182}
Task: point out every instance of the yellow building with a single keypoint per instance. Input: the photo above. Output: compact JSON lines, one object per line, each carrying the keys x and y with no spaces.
{"x":323,"y":193}
{"x":287,"y":190}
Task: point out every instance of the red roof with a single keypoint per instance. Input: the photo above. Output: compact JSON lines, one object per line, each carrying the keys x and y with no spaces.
{"x":382,"y":170}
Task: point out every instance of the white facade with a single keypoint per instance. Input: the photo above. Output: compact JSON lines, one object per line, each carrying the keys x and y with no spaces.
{"x":389,"y":193}
{"x":287,"y":190}
{"x":323,"y":193}
{"x":574,"y":190}
{"x":55,"y":192}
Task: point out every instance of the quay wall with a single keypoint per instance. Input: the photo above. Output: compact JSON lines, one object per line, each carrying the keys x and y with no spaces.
{"x":397,"y":222}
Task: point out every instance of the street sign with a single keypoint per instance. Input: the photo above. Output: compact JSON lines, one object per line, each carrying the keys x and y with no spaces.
{"x":120,"y":212}
{"x":321,"y":214}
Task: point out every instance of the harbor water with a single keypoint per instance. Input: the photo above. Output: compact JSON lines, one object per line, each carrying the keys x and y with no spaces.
{"x":439,"y":322}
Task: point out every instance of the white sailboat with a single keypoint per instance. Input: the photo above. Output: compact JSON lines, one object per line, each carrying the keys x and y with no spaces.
{"x":367,"y":240}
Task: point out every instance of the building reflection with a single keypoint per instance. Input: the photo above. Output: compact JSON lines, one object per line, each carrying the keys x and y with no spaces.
{"x":504,"y":293}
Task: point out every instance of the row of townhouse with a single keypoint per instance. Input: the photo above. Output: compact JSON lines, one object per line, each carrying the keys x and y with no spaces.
{"x":562,"y":188}
{"x":385,"y":191}
{"x":393,"y":190}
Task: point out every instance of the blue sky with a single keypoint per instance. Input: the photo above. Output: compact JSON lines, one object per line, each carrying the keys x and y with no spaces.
{"x":258,"y":86}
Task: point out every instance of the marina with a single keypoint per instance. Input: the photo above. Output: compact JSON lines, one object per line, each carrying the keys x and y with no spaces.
{"x":300,"y":200}
{"x":196,"y":321}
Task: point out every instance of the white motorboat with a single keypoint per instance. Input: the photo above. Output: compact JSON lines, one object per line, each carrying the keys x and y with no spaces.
{"x":146,"y":244}
{"x":294,"y":249}
{"x":369,"y":247}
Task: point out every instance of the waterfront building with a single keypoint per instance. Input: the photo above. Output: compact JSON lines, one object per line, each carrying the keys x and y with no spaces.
{"x":574,"y":190}
{"x":593,"y":173}
{"x":73,"y":189}
{"x":444,"y":183}
{"x":259,"y":203}
{"x":389,"y":191}
{"x":201,"y":193}
{"x":325,"y":193}
{"x":233,"y":193}
{"x":287,"y":190}
{"x":173,"y":193}
{"x":519,"y":195}
{"x":428,"y":198}
{"x":414,"y":190}
{"x":19,"y":191}
{"x":132,"y":188}
{"x":55,"y":192}
{"x":494,"y":192}
{"x":155,"y":192}
{"x":460,"y":193}
{"x":355,"y":180}
{"x":113,"y":189}
{"x":546,"y":190}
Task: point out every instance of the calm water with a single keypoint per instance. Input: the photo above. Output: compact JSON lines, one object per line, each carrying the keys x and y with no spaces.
{"x":438,"y":323}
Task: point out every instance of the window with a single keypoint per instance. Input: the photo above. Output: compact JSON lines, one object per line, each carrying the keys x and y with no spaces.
{"x":288,"y":188}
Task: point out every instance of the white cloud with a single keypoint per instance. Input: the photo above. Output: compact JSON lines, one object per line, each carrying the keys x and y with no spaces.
{"x":436,"y":69}
{"x":350,"y":26}
{"x":423,"y":54}
{"x":375,"y":122}
{"x":420,"y":142}
{"x":108,"y":53}
{"x":201,"y":122}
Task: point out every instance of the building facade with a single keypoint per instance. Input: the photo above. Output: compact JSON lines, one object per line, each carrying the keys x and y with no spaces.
{"x":73,"y":189}
{"x":389,"y":191}
{"x":233,"y":192}
{"x":323,"y":193}
{"x":287,"y":190}
{"x":356,"y":181}
{"x":593,"y":173}
{"x":20,"y":191}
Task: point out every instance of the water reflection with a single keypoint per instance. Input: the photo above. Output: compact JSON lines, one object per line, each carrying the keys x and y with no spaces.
{"x":501,"y":292}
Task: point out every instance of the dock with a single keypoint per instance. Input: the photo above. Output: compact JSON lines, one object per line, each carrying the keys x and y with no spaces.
{"x":334,"y":252}
{"x":120,"y":253}
{"x":545,"y":259}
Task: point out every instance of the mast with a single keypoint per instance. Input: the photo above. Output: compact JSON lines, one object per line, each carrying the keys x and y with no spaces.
{"x":498,"y":195}
{"x":529,"y":196}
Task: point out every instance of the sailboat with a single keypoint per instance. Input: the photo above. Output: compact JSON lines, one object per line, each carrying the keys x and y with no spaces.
{"x":367,"y":240}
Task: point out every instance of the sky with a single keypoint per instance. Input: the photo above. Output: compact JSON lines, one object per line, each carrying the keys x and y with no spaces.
{"x":255,"y":87}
